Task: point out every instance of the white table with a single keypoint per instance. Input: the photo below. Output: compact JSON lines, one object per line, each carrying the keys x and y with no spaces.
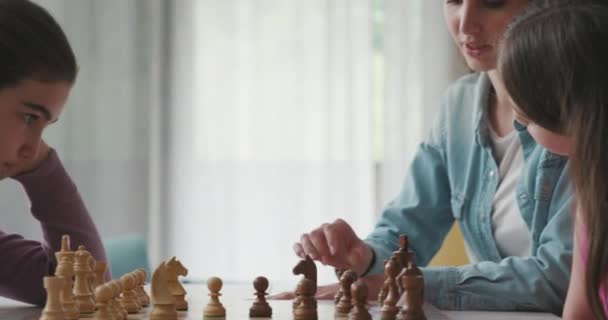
{"x":237,"y":299}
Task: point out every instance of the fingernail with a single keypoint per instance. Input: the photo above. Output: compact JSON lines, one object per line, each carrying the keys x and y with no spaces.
{"x":332,"y":250}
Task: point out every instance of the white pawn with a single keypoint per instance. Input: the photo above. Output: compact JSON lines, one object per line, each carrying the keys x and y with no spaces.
{"x":144,"y":298}
{"x":214,"y":308}
{"x":53,"y":310}
{"x":103,"y":295}
{"x":121,"y":312}
{"x":129,"y":297}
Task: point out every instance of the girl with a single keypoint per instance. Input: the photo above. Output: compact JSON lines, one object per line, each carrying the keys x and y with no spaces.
{"x":37,"y":71}
{"x":561,"y":53}
{"x":483,"y":171}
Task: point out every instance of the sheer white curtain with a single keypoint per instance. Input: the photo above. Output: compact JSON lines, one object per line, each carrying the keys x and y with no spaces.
{"x":271,"y":130}
{"x":273,"y":123}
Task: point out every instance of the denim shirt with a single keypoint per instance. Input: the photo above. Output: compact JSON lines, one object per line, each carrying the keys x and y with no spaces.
{"x":453,"y":178}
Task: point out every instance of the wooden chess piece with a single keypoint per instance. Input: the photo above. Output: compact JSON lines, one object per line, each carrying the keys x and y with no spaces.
{"x":99,"y":270}
{"x":260,"y":307}
{"x":308,"y":269}
{"x":412,"y":282}
{"x":402,"y":254}
{"x":144,"y":299}
{"x":164,"y":308}
{"x":111,"y":306}
{"x":307,"y":310}
{"x":118,"y":290}
{"x":174,"y":270}
{"x":129,"y":299}
{"x":359,"y":294}
{"x":82,"y":293}
{"x":53,"y":310}
{"x":403,"y":250}
{"x":384,"y":290}
{"x":65,"y":269}
{"x":214,"y":308}
{"x":103,"y":294}
{"x":338,"y":295}
{"x":345,"y":304}
{"x":389,"y":306}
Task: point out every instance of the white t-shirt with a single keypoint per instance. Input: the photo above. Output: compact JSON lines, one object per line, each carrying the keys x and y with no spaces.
{"x":511,"y":232}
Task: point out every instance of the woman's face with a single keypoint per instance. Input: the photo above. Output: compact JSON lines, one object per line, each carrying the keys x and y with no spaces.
{"x":25,"y":111}
{"x":478,"y":25}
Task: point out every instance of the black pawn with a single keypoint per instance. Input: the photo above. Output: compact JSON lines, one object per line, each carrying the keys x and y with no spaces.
{"x":260,"y":307}
{"x":359,"y":295}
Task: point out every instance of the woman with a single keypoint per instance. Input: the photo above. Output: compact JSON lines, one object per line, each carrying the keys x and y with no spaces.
{"x":481,"y":169}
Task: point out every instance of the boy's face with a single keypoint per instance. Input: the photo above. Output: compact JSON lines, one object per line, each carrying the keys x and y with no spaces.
{"x":25,"y":111}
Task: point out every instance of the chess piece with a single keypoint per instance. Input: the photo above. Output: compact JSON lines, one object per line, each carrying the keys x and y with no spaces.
{"x":359,"y":294}
{"x":164,"y":308}
{"x":338,"y":295}
{"x":103,"y":294}
{"x":144,"y":299}
{"x":308,"y":269}
{"x":260,"y":307}
{"x":384,"y":290}
{"x":403,"y":250}
{"x":307,"y":309}
{"x":389,"y":305}
{"x":214,"y":308}
{"x":345,"y":304}
{"x":129,"y":299}
{"x":99,"y":270}
{"x":65,"y":269}
{"x":82,"y":293}
{"x":412,"y":283}
{"x":53,"y":310}
{"x":121,"y":312}
{"x":403,"y":255}
{"x":174,"y":270}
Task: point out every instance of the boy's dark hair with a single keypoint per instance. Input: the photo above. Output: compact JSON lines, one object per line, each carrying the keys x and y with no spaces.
{"x":33,"y":45}
{"x":554,"y":63}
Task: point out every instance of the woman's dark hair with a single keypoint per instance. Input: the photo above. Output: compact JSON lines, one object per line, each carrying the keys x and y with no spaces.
{"x":554,"y":63}
{"x":33,"y":45}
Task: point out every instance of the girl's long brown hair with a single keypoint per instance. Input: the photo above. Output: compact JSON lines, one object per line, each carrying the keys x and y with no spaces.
{"x":554,"y":63}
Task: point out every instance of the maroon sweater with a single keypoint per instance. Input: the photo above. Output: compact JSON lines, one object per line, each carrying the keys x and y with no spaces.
{"x":55,"y":202}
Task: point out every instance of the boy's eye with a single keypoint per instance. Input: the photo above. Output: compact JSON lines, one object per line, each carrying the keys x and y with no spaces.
{"x":29,"y":118}
{"x":494,"y":3}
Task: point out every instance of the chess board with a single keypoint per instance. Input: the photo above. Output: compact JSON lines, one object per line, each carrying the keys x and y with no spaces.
{"x":237,"y":298}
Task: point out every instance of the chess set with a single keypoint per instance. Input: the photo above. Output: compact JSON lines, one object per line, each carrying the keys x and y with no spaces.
{"x":78,"y":290}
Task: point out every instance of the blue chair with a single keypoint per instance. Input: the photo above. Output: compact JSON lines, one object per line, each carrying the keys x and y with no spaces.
{"x":127,"y":253}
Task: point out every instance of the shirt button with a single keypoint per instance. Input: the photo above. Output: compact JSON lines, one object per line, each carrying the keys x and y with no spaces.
{"x":491,"y":173}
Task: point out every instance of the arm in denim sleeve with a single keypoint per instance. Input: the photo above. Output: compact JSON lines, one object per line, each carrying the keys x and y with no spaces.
{"x":538,"y":282}
{"x":423,"y":208}
{"x":57,"y":205}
